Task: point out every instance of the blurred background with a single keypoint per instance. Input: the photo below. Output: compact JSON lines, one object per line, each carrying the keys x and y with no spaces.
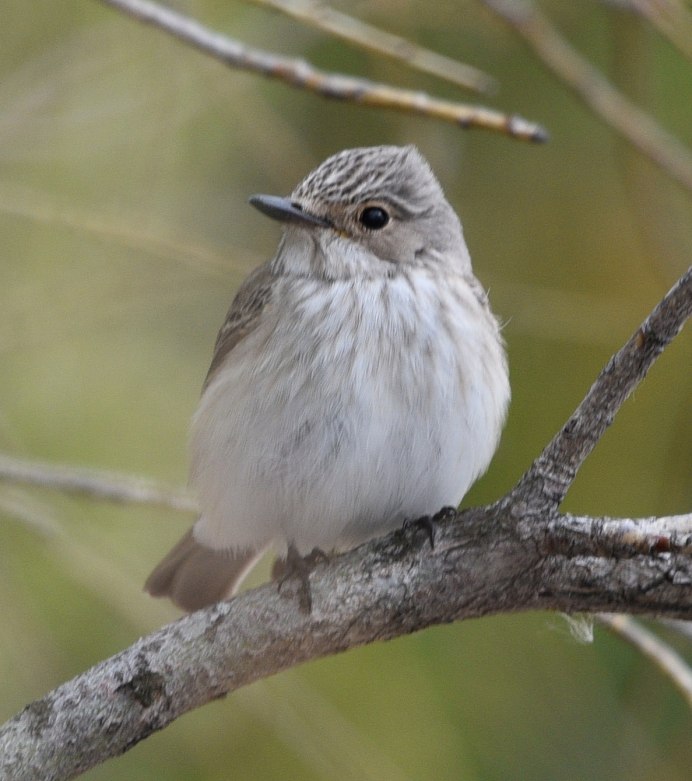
{"x":126,"y":161}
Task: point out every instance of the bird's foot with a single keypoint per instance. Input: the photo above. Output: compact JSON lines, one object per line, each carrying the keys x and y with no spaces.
{"x":429,"y":523}
{"x":298,"y":568}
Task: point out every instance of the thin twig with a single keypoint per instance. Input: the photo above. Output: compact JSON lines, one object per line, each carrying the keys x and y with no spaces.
{"x":554,"y":470}
{"x":96,"y":484}
{"x":654,"y":203}
{"x":321,"y":16}
{"x":668,"y":661}
{"x":682,"y":628}
{"x":634,"y":124}
{"x":299,"y":73}
{"x":672,"y":20}
{"x":36,"y":205}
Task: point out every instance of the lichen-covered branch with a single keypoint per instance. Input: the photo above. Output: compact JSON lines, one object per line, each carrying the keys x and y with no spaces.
{"x":482,"y":563}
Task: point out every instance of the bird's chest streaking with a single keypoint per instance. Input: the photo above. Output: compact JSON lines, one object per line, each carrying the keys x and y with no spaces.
{"x":354,"y":404}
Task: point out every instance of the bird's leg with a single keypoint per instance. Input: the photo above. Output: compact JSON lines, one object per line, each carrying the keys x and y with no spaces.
{"x":429,"y":522}
{"x":426,"y":523}
{"x":297,"y":567}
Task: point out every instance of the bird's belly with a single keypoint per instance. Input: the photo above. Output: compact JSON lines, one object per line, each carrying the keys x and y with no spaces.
{"x":338,"y":439}
{"x":332,"y":471}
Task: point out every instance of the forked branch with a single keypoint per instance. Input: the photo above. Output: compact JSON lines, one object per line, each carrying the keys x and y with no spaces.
{"x":518,"y":554}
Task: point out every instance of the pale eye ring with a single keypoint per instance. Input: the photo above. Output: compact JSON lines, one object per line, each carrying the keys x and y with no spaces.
{"x":373,"y":218}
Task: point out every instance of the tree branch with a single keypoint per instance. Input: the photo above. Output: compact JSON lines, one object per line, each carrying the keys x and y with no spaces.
{"x":552,"y":473}
{"x":671,"y":19}
{"x":319,"y":15}
{"x":97,"y":484}
{"x":482,"y":563}
{"x":638,"y":127}
{"x":668,"y":661}
{"x":299,"y":73}
{"x":519,"y":554}
{"x":682,"y":628}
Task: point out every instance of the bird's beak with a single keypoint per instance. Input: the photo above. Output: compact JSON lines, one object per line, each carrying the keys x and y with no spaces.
{"x":285,"y":210}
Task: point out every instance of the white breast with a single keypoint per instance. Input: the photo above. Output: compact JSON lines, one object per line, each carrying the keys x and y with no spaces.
{"x":350,"y":408}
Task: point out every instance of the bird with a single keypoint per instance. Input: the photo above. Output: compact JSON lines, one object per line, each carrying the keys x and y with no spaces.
{"x":359,"y":381}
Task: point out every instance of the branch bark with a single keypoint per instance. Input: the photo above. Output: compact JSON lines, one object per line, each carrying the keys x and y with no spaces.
{"x":300,"y":74}
{"x":482,"y":563}
{"x":519,"y":554}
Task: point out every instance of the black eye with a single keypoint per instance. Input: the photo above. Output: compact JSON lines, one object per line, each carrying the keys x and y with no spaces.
{"x":373,"y":218}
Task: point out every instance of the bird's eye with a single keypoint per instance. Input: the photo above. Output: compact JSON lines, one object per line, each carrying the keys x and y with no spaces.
{"x":373,"y":218}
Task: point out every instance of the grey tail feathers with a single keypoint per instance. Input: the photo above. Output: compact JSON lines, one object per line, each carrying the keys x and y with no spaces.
{"x":194,"y":576}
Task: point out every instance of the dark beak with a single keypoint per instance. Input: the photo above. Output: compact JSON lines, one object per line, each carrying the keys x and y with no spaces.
{"x":284,"y":210}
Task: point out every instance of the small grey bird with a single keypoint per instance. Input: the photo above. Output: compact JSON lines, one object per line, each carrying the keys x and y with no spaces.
{"x":358,"y":381}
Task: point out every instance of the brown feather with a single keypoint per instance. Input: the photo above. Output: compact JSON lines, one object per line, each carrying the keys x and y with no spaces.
{"x":194,"y":576}
{"x":243,"y":315}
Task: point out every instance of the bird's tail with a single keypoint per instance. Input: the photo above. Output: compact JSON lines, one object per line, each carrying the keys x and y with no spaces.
{"x":194,"y":576}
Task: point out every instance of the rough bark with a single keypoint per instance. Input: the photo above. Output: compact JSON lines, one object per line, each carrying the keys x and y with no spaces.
{"x":483,"y":562}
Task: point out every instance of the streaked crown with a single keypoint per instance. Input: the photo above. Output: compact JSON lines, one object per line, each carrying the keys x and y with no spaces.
{"x":395,"y":174}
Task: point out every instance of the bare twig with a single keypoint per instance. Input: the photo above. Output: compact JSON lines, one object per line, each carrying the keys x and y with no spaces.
{"x":301,"y":74}
{"x":634,"y":124}
{"x":682,"y":628}
{"x":668,"y":661}
{"x":554,"y":470}
{"x":104,"y":485}
{"x":321,"y":16}
{"x":670,"y":17}
{"x":34,"y":204}
{"x":655,"y":204}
